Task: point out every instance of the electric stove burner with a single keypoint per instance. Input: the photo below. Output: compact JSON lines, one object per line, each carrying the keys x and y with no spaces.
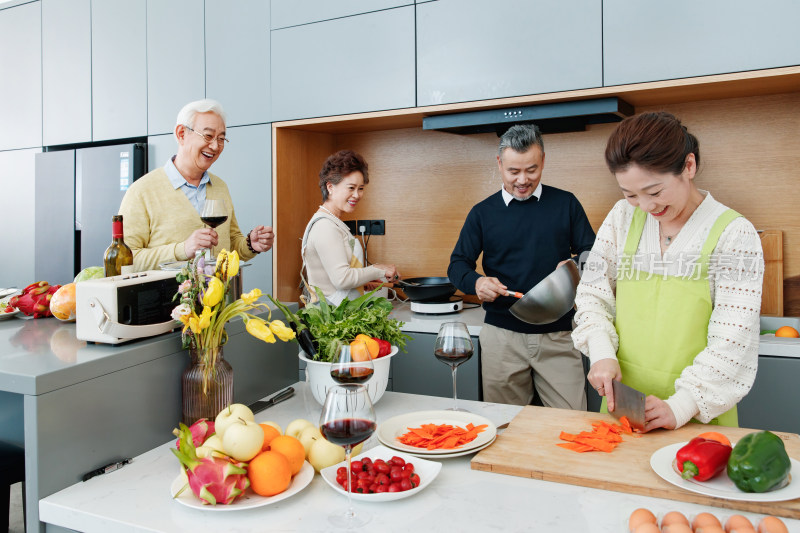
{"x":453,"y":304}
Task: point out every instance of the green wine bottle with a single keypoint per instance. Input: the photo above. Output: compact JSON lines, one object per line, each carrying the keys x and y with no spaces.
{"x":118,"y":258}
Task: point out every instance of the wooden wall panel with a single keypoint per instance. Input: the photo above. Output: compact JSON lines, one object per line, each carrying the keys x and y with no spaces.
{"x":423,"y":183}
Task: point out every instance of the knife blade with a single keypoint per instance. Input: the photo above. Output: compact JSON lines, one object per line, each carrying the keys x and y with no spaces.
{"x":260,"y":405}
{"x":628,"y":402}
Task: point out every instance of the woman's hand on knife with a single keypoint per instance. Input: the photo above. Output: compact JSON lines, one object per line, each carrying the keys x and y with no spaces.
{"x":600,"y":376}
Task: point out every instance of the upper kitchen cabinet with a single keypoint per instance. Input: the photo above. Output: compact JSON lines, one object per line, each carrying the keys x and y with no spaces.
{"x":347,"y":65}
{"x":21,"y":76}
{"x":237,"y":59}
{"x":295,"y":12}
{"x":649,"y":41}
{"x":175,"y":60}
{"x":119,"y":69}
{"x":482,"y":49}
{"x":66,"y":71}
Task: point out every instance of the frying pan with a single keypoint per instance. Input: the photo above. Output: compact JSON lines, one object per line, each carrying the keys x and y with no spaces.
{"x":551,"y":298}
{"x":428,"y":288}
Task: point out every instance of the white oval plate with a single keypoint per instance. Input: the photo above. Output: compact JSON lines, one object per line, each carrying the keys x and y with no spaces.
{"x":4,"y":315}
{"x":454,"y":454}
{"x":390,"y":430}
{"x":249,"y":499}
{"x":427,"y":471}
{"x":720,"y":486}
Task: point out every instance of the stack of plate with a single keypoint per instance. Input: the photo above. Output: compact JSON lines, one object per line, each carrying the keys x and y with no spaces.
{"x":389,"y":431}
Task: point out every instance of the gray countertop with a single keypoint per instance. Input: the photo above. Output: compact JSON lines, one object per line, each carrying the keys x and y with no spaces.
{"x":422,"y":323}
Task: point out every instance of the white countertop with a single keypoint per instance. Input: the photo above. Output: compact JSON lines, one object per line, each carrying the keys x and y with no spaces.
{"x":472,"y":315}
{"x":136,"y":497}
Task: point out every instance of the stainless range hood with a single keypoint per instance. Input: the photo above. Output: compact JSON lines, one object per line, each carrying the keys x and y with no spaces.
{"x":558,"y":117}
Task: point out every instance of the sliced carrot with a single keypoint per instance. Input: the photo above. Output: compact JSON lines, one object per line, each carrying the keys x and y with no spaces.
{"x":604,"y":437}
{"x":444,"y":436}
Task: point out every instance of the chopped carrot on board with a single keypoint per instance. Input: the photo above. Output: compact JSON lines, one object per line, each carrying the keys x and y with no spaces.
{"x":604,"y":437}
{"x":445,"y":436}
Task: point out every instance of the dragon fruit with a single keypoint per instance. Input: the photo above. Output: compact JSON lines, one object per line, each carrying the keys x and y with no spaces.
{"x":212,"y":479}
{"x":35,"y":299}
{"x":201,"y":430}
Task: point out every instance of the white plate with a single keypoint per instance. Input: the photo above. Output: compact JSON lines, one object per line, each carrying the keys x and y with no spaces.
{"x":390,"y":430}
{"x":427,"y":471}
{"x":249,"y":499}
{"x":454,"y":454}
{"x":3,"y":314}
{"x":720,"y":486}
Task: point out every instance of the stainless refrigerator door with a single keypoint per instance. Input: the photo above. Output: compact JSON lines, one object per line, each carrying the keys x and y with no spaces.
{"x":102,"y":175}
{"x":55,"y":215}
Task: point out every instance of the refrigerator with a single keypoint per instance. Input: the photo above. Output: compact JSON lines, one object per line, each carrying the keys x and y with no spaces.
{"x":77,"y":192}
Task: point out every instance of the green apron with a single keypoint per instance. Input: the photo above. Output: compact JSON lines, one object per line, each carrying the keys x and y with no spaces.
{"x":662,"y":321}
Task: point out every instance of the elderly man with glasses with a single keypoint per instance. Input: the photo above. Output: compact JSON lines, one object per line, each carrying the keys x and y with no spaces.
{"x":162,"y":209}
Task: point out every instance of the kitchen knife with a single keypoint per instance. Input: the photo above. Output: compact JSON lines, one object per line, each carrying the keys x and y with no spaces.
{"x":260,"y":405}
{"x":628,"y":402}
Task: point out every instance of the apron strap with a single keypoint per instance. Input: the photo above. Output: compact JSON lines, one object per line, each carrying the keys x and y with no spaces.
{"x":713,"y":237}
{"x":631,"y":242}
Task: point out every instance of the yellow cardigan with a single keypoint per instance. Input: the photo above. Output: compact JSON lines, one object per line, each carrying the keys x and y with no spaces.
{"x":158,"y":219}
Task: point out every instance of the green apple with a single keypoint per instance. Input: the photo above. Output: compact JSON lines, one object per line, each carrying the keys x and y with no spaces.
{"x":211,"y":447}
{"x":297,"y":426}
{"x":308,"y":436}
{"x":243,"y":439}
{"x":324,"y":454}
{"x":230,"y":414}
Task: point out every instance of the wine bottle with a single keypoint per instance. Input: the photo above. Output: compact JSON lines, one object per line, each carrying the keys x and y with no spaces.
{"x":118,"y":258}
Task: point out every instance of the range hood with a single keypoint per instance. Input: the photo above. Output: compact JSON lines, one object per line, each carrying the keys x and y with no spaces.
{"x":557,"y":117}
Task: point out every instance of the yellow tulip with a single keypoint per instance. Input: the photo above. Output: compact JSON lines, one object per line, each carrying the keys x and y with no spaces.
{"x":250,"y":297}
{"x":204,"y":320}
{"x":258,"y":329}
{"x":214,"y":292}
{"x":280,"y":329}
{"x":233,"y":264}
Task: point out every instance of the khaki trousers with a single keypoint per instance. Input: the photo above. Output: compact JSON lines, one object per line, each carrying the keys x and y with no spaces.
{"x":513,"y":363}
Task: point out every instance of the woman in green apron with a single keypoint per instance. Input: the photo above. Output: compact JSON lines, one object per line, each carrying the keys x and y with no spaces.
{"x":670,"y":298}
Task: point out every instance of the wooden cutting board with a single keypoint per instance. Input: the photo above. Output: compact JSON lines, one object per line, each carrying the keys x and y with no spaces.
{"x":772,"y":291}
{"x":528,"y":449}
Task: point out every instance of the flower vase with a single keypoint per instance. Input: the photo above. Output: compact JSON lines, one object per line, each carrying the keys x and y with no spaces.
{"x":207,"y":384}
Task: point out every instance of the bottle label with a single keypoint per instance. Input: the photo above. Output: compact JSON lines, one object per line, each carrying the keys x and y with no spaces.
{"x":116,"y":229}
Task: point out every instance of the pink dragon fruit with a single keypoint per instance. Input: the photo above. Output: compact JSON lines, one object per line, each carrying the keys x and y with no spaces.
{"x":201,"y":430}
{"x":35,"y":299}
{"x":212,"y":479}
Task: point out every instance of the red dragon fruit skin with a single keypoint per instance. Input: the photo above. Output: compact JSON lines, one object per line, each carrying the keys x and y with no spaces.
{"x":201,"y":430}
{"x":35,"y":299}
{"x":214,"y":480}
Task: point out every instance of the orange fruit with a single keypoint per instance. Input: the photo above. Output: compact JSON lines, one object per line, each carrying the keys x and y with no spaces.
{"x":787,"y":331}
{"x":292,"y":449}
{"x":372,"y":345}
{"x":269,"y":434}
{"x":359,"y":351}
{"x":269,"y":473}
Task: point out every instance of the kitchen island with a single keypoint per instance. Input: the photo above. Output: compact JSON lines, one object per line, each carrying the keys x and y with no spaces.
{"x":76,"y":407}
{"x":136,"y":497}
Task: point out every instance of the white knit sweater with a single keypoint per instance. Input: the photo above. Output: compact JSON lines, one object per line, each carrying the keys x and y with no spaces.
{"x":723,"y":373}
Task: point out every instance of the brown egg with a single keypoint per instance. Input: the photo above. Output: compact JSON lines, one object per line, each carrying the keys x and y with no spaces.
{"x":709,"y":529}
{"x":677,"y":527}
{"x":738,"y":522}
{"x":704,"y":520}
{"x":770,"y":524}
{"x":640,"y":516}
{"x":673,"y":517}
{"x":647,"y":527}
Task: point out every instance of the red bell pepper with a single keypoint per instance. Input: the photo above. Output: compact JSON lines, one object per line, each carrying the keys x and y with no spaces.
{"x":384,"y":347}
{"x":701,"y":459}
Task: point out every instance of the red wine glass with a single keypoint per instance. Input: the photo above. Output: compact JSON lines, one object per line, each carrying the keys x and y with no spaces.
{"x":348,"y":419}
{"x":213,"y":213}
{"x":350,"y":365}
{"x":453,"y":347}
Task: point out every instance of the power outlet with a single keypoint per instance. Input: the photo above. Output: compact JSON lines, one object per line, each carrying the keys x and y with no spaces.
{"x":376,"y":227}
{"x":352,"y":225}
{"x":371,"y":227}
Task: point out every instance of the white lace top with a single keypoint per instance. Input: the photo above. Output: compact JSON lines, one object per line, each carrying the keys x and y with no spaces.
{"x":723,"y":373}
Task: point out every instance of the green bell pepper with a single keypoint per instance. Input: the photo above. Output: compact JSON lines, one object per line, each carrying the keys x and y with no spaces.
{"x":759,"y":462}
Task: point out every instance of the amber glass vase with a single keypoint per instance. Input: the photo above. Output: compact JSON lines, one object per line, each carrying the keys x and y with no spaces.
{"x":207,"y":385}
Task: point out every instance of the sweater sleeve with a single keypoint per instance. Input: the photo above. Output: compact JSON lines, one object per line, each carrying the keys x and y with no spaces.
{"x":582,"y":235}
{"x":463,"y":260}
{"x":326,"y":239}
{"x":723,"y":373}
{"x":239,"y":239}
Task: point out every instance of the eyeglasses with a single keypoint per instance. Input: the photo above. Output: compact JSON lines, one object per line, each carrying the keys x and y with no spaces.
{"x":221,"y":140}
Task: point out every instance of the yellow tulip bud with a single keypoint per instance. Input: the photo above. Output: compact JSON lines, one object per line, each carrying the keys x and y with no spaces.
{"x":280,"y":329}
{"x":205,"y":318}
{"x":214,"y":292}
{"x":233,"y":264}
{"x":258,"y":329}
{"x":250,"y":297}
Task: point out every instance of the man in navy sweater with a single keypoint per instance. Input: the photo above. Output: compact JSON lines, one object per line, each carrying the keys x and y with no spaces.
{"x":524,"y":231}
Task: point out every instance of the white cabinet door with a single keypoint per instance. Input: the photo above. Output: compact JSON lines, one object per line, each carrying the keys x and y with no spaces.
{"x":347,"y":65}
{"x":17,"y":180}
{"x":295,"y":12}
{"x":66,"y":71}
{"x":175,"y":60}
{"x":648,"y":41}
{"x":119,"y":69}
{"x":483,"y":49}
{"x":21,"y":76}
{"x":237,"y":59}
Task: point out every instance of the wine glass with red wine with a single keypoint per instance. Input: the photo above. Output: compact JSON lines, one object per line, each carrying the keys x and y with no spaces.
{"x":348,"y":419}
{"x":453,"y":347}
{"x":213,"y":213}
{"x":351,"y":367}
